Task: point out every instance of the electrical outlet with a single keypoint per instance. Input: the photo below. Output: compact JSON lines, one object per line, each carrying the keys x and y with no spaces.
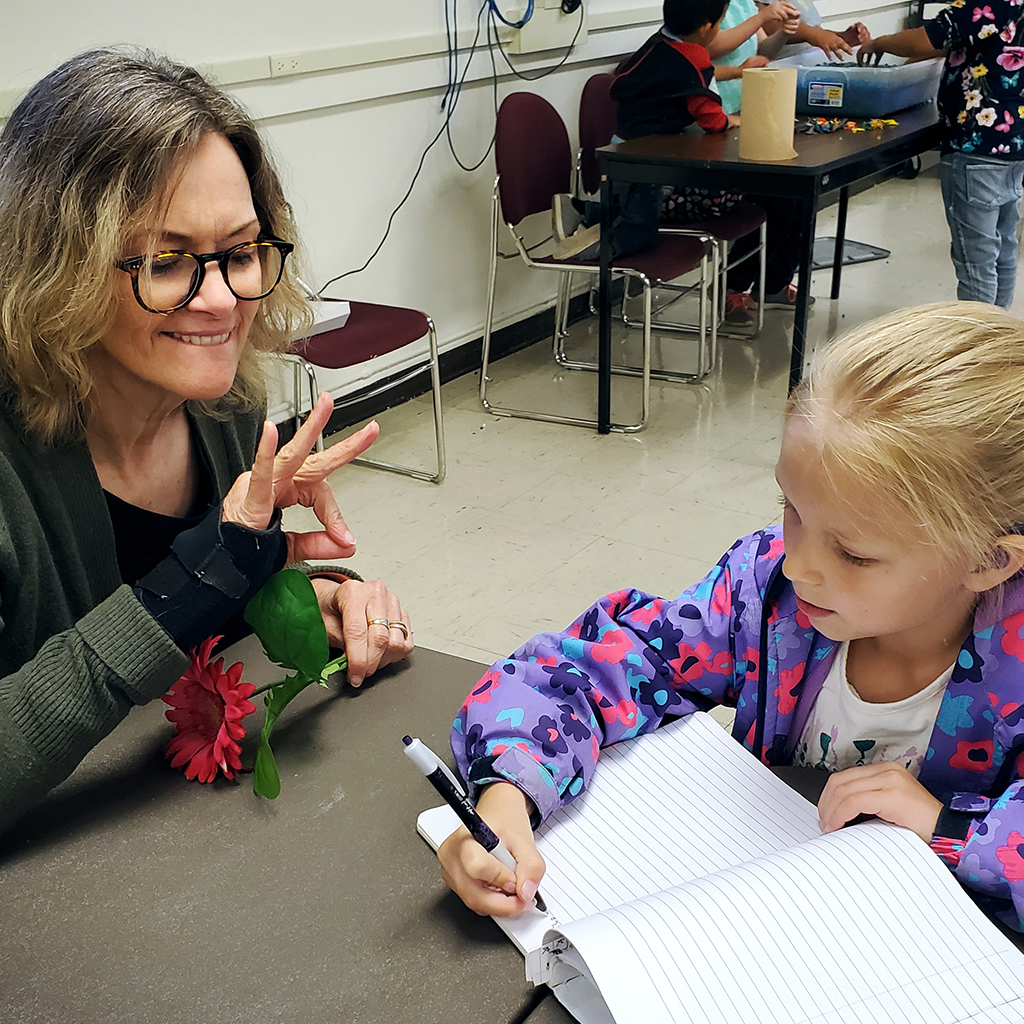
{"x":285,"y":64}
{"x":549,"y":29}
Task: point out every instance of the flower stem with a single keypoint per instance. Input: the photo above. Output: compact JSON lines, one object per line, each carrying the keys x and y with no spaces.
{"x":339,"y":663}
{"x":263,"y":689}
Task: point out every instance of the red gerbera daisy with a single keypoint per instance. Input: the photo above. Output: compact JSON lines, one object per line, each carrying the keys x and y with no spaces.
{"x":208,"y":706}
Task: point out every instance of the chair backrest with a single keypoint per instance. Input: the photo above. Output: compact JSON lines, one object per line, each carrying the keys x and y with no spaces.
{"x":597,"y":126}
{"x":532,"y":155}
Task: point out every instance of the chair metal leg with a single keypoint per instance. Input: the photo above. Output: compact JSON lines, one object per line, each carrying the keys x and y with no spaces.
{"x":300,"y":365}
{"x":485,"y":355}
{"x":434,"y":366}
{"x":561,"y":311}
{"x":296,"y":394}
{"x":435,"y":388}
{"x":706,"y":324}
{"x":723,"y":263}
{"x":764,"y":268}
{"x":704,"y":345}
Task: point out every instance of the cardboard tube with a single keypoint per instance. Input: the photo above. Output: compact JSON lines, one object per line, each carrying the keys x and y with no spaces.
{"x":767,"y":113}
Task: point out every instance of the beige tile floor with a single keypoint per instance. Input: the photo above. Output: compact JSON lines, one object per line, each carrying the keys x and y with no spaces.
{"x":536,"y":520}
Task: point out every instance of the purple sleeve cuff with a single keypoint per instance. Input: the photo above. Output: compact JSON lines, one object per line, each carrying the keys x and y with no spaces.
{"x":516,"y":766}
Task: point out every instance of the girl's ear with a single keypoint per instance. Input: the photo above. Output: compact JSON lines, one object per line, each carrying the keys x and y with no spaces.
{"x":1006,"y":559}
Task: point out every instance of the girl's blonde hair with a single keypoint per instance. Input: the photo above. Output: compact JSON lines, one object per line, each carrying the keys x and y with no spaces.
{"x":86,"y":158}
{"x":922,"y":413}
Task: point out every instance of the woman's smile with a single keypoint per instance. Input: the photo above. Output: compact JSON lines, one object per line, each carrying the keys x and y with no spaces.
{"x":199,"y":339}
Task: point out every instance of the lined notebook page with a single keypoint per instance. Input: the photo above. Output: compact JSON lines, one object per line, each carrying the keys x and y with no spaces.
{"x":759,"y":942}
{"x":675,"y":805}
{"x":682,"y":802}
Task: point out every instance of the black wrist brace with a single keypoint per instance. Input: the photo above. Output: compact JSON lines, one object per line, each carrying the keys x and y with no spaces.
{"x":211,"y":574}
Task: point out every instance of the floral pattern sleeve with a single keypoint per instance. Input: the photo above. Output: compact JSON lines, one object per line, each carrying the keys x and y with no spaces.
{"x":989,"y":857}
{"x":540,"y":717}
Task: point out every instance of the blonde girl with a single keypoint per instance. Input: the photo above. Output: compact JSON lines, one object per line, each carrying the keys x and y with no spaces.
{"x":878,"y":634}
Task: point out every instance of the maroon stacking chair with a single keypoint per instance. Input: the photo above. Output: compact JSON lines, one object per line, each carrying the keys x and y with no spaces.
{"x":534,"y":162}
{"x":596,"y":129}
{"x":371,"y":331}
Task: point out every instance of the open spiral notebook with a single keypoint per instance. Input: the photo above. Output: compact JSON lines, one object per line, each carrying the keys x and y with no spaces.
{"x":690,"y":884}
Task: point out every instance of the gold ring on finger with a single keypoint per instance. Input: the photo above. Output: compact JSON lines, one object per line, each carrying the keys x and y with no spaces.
{"x":379,"y":622}
{"x":397,"y":624}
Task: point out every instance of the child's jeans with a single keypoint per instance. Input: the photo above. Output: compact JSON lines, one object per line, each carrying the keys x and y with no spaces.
{"x":981,"y":196}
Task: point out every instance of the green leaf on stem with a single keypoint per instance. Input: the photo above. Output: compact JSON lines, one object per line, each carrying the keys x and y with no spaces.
{"x":285,"y":615}
{"x":265,"y":779}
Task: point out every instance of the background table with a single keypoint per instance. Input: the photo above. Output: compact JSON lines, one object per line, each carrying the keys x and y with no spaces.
{"x":824,"y":163}
{"x":133,"y":895}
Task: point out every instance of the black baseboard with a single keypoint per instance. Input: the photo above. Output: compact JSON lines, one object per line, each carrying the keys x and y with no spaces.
{"x":455,"y":363}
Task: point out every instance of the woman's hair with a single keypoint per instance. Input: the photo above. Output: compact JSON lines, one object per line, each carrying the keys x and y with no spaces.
{"x":921,"y":412}
{"x":87,"y":159}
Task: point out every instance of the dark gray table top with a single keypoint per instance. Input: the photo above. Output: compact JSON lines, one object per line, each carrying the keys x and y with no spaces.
{"x":133,"y":895}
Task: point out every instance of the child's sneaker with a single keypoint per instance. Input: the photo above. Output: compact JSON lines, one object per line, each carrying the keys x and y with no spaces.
{"x":740,"y":310}
{"x":785,"y":299}
{"x":565,"y":218}
{"x":583,"y":244}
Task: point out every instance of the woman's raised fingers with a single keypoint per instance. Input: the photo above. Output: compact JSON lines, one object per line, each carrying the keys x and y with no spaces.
{"x":250,"y":501}
{"x":320,"y":465}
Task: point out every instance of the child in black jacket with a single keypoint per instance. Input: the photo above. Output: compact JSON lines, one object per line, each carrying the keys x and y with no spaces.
{"x":663,"y":89}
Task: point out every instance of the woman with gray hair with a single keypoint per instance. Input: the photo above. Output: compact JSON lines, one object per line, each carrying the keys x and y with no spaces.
{"x":144,"y":244}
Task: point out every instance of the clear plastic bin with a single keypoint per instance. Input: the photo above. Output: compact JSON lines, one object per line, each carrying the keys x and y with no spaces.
{"x":829,"y":89}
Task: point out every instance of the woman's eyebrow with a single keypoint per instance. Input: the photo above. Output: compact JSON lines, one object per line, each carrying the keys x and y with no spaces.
{"x":182,"y":240}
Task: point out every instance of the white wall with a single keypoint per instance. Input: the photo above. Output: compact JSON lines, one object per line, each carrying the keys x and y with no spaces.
{"x":349,"y":136}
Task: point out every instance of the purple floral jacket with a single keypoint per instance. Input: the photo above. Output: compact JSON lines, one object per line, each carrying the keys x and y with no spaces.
{"x":540,"y":717}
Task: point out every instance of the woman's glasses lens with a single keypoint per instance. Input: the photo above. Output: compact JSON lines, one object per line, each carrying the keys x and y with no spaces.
{"x":167,"y":281}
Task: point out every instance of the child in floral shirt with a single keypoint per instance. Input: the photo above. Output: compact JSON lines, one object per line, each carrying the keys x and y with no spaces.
{"x":981,"y":106}
{"x":883,"y":622}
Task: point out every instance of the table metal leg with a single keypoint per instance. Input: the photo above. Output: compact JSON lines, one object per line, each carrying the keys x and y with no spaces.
{"x":809,"y":212}
{"x":837,"y":258}
{"x":604,"y":307}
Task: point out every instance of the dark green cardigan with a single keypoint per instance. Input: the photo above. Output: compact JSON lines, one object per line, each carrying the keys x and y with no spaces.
{"x":77,"y":649}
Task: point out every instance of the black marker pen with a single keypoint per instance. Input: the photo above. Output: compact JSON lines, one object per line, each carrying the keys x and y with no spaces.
{"x":441,"y":778}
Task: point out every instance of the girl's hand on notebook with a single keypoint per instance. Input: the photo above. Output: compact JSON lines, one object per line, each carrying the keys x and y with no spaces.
{"x":886,"y":790}
{"x":481,"y":881}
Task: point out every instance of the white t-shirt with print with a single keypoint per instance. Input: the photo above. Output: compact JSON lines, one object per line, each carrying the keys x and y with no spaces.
{"x":844,"y":731}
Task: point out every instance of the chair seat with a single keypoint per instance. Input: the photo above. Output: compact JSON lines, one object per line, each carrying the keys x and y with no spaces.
{"x":674,"y":256}
{"x":741,"y":220}
{"x":371,"y":330}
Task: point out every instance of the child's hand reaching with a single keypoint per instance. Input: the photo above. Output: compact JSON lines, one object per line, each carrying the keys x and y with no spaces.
{"x":856,"y":35}
{"x":734,"y":121}
{"x":886,"y":790}
{"x":481,"y":881}
{"x":757,"y":61}
{"x":870,"y":53}
{"x":834,"y":45}
{"x":780,"y":14}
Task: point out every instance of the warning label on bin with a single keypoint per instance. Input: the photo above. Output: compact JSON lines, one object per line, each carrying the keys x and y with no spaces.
{"x":824,"y":94}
